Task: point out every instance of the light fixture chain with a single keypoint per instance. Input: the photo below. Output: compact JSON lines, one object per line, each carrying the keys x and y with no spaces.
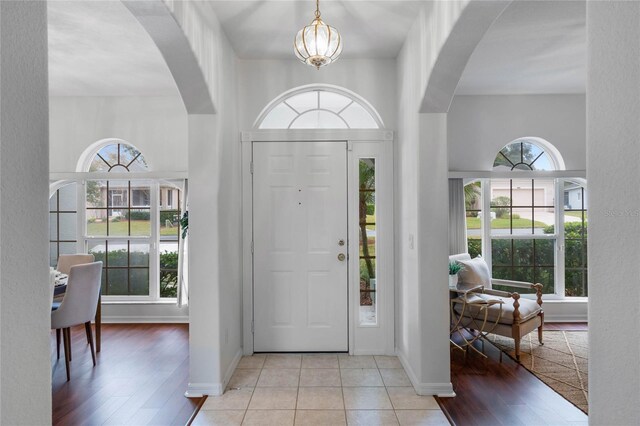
{"x":317,"y":8}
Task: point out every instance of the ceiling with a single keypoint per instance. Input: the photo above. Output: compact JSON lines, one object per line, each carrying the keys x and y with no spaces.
{"x":534,"y":47}
{"x":260,"y":29}
{"x":98,"y":48}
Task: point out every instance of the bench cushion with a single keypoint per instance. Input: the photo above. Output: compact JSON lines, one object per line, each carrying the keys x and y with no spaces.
{"x":528,"y":309}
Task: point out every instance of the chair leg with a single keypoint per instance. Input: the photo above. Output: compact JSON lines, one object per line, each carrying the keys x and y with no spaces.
{"x":58,"y":342}
{"x":68,"y":331}
{"x":541,"y":328}
{"x":67,"y":346}
{"x":516,"y":335}
{"x":90,"y":337}
{"x":87,"y":329}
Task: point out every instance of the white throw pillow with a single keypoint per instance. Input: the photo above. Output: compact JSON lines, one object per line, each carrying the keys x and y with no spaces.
{"x":475,"y":272}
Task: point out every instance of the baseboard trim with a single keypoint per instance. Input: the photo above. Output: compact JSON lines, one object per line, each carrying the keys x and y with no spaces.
{"x":145,"y":319}
{"x":443,"y":390}
{"x":231,"y":368}
{"x":198,"y":390}
{"x":565,"y":318}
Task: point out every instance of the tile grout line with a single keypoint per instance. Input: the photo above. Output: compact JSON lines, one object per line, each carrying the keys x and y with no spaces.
{"x":342,"y":388}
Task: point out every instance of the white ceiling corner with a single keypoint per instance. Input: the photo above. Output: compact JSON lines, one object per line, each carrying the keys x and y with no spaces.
{"x":97,"y":48}
{"x":534,"y":47}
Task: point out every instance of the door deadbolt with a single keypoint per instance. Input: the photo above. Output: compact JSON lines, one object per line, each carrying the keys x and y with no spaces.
{"x":341,"y":257}
{"x":340,"y":242}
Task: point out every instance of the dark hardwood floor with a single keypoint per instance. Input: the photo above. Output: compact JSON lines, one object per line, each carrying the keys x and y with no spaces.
{"x":142,"y":374}
{"x":504,"y":393}
{"x":140,"y":377}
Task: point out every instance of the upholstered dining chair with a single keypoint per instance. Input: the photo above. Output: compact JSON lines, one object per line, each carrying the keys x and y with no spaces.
{"x":515,"y":317}
{"x":66,"y":261}
{"x":78,"y":306}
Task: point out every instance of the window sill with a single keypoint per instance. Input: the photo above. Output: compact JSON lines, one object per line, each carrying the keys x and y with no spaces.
{"x":577,"y":300}
{"x":139,"y":302}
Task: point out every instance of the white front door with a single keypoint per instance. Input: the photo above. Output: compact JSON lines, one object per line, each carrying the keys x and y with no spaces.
{"x":300,"y":246}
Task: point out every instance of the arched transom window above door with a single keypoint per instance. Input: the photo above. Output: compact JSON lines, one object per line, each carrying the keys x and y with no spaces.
{"x":319,"y":108}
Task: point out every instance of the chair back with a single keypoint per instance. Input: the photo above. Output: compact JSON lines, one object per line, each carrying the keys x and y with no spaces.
{"x":461,"y":256}
{"x":81,"y":298}
{"x":66,"y":261}
{"x":476,"y":270}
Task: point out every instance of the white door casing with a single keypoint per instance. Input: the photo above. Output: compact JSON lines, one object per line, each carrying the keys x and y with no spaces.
{"x":364,"y":339}
{"x":299,"y":218}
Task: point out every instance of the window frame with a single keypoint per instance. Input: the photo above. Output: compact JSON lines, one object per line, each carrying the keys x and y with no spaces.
{"x":559,"y":176}
{"x":487,"y":236}
{"x":284,"y":97}
{"x":152,"y":239}
{"x":154,"y":180}
{"x":55,"y":189}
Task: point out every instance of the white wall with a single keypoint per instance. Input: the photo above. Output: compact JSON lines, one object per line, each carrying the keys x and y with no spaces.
{"x":260,"y":81}
{"x":613,"y":150}
{"x":25,"y":297}
{"x":422,"y":335}
{"x":480,"y":126}
{"x":215,"y":205}
{"x":157,"y":126}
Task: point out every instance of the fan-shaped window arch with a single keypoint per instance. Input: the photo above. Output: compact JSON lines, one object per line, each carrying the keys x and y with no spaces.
{"x":529,"y":154}
{"x":120,"y":157}
{"x":319,"y":107}
{"x":112,"y":155}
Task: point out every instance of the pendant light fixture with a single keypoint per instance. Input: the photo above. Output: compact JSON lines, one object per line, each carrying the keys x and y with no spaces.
{"x":318,"y":44}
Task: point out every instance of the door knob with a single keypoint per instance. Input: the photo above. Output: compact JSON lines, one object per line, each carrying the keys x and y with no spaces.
{"x":341,"y":257}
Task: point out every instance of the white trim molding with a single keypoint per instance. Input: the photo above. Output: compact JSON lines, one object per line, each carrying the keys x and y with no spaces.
{"x":198,"y":390}
{"x":443,"y":390}
{"x":517,"y":174}
{"x":378,"y":340}
{"x":139,"y":319}
{"x":232,"y":368}
{"x":317,"y":135}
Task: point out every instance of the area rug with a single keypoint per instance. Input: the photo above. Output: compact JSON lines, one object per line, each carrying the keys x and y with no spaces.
{"x":561,"y":363}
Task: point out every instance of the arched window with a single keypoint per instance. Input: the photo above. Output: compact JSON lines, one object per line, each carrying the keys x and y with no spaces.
{"x":319,"y":107}
{"x":533,"y":226}
{"x":131,"y":225}
{"x":528,"y":154}
{"x":118,"y":157}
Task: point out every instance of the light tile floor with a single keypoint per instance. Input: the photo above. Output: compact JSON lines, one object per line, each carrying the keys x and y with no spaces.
{"x":320,"y":389}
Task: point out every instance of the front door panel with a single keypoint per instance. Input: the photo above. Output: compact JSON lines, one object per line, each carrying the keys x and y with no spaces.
{"x":299,"y":218}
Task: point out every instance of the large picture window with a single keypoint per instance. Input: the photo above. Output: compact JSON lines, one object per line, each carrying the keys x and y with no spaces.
{"x":532,"y":227}
{"x":132,"y":226}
